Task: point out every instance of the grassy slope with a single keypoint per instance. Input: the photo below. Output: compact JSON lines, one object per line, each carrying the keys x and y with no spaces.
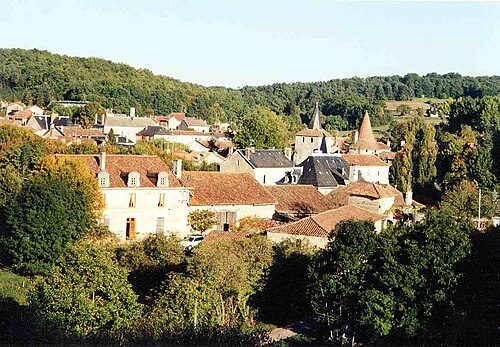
{"x":14,"y":287}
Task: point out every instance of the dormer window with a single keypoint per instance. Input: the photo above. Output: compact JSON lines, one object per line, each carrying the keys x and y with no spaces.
{"x":162,"y":179}
{"x":103,"y":179}
{"x":133,"y":179}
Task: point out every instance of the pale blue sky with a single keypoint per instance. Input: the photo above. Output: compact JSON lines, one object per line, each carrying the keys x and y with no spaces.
{"x":236,"y":43}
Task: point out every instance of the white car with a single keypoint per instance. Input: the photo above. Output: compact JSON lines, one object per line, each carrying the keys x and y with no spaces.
{"x":191,"y":241}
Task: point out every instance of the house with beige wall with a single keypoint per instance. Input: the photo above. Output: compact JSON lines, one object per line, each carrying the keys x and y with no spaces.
{"x":142,"y":195}
{"x":267,"y":166}
{"x":316,"y":229}
{"x":231,"y":195}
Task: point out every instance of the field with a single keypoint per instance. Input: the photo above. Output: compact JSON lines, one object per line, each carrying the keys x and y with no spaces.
{"x":416,"y":103}
{"x":14,"y":287}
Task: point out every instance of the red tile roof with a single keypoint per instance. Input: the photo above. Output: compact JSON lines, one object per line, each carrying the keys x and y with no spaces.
{"x":217,"y":188}
{"x":228,"y":235}
{"x":313,"y":133}
{"x":340,"y":196}
{"x":323,"y":223}
{"x":363,"y":160}
{"x":387,"y":155}
{"x":366,"y":139}
{"x":299,"y":199}
{"x":189,"y":132}
{"x":177,"y":115}
{"x":119,"y":166}
{"x":383,"y":146}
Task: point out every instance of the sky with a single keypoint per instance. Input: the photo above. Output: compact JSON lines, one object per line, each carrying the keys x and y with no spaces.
{"x":235,"y":43}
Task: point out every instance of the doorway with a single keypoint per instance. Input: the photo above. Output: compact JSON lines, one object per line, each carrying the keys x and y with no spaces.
{"x":130,"y":230}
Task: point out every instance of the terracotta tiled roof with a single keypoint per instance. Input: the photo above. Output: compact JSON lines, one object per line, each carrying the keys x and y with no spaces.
{"x":314,"y":133}
{"x":25,"y":114}
{"x":189,"y":132}
{"x":217,"y":188}
{"x":387,"y":155}
{"x":383,"y":146}
{"x":177,"y":115}
{"x":299,"y":199}
{"x":323,"y":223}
{"x":363,"y":160}
{"x":340,"y":196}
{"x":366,"y":139}
{"x":119,"y":166}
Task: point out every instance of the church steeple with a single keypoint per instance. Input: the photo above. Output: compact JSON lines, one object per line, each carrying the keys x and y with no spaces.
{"x":315,"y":123}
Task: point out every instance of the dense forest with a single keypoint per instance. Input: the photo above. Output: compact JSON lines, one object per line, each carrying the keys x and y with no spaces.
{"x":35,"y":76}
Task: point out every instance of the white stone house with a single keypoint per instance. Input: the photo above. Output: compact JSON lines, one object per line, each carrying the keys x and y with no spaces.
{"x":365,"y":168}
{"x":231,"y":195}
{"x":126,"y":125}
{"x":142,"y":195}
{"x":195,"y":124}
{"x":267,"y":166}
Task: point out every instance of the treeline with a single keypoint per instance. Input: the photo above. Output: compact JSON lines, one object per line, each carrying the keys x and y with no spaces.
{"x":35,"y":76}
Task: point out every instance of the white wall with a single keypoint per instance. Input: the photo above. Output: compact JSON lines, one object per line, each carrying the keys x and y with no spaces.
{"x":146,"y":212}
{"x":186,"y":139}
{"x":128,"y":132}
{"x":377,"y":205}
{"x":269,"y":176}
{"x":374,"y":174}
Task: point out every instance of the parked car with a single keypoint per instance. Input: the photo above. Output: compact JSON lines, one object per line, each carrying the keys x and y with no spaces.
{"x":191,"y":241}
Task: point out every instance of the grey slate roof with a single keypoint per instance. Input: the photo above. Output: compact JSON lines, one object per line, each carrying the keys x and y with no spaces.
{"x":152,"y":130}
{"x":322,"y":171}
{"x":267,"y":158}
{"x":63,"y":121}
{"x":127,"y":121}
{"x":42,"y":121}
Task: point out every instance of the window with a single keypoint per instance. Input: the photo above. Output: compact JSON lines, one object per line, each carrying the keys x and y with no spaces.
{"x":130,"y":229}
{"x":102,"y":181}
{"x":264,"y":179}
{"x":160,"y":226}
{"x":161,"y":200}
{"x":131,"y":201}
{"x":303,"y":139}
{"x":133,"y":181}
{"x":312,"y":139}
{"x":225,"y":218}
{"x":163,"y":181}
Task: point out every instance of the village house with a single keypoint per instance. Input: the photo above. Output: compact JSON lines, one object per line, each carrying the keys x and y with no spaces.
{"x":313,"y":139}
{"x":231,"y":195}
{"x":365,"y":168}
{"x":36,"y":110}
{"x":364,"y":142}
{"x":153,"y":132}
{"x":13,"y":107}
{"x":126,"y":125}
{"x":194,"y":124}
{"x":142,"y":195}
{"x":297,"y":201}
{"x":171,"y":121}
{"x":316,"y":229}
{"x":378,"y":198}
{"x":190,"y":138}
{"x":268,"y":166}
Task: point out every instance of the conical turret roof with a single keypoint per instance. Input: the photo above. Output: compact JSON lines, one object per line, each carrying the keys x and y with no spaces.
{"x":315,"y":123}
{"x":366,"y":140}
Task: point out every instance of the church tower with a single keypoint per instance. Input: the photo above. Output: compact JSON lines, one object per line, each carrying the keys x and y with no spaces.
{"x":313,"y":139}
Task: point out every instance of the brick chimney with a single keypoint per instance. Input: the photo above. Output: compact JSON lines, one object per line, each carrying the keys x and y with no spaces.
{"x":288,"y":153}
{"x":248,"y":152}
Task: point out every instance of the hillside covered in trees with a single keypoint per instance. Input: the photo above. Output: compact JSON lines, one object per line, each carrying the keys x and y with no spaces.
{"x":35,"y":76}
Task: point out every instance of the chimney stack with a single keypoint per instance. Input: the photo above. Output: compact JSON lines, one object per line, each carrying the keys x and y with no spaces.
{"x":177,"y":163}
{"x":102,"y":161}
{"x":388,"y":142}
{"x":288,"y":153}
{"x":132,"y":112}
{"x":356,"y":137}
{"x":248,"y":152}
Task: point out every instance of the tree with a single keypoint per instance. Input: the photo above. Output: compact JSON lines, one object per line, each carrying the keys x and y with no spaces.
{"x":462,"y":199}
{"x":262,"y":128}
{"x":403,"y":110}
{"x":56,"y":206}
{"x":202,"y":220}
{"x":86,"y":297}
{"x":111,"y":137}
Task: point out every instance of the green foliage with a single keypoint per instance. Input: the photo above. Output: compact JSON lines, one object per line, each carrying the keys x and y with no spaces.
{"x":86,"y":297}
{"x":55,"y":207}
{"x":287,"y":274}
{"x":202,"y":220}
{"x":262,"y":128}
{"x":403,"y":110}
{"x":398,"y":284}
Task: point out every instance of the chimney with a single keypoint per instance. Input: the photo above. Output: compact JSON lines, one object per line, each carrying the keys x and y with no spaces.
{"x":230,"y":151}
{"x":356,"y":136}
{"x":248,"y":152}
{"x":132,"y":112}
{"x":95,"y":118}
{"x":388,"y":142}
{"x":177,"y":163}
{"x":102,"y":161}
{"x":288,"y":153}
{"x":408,"y":198}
